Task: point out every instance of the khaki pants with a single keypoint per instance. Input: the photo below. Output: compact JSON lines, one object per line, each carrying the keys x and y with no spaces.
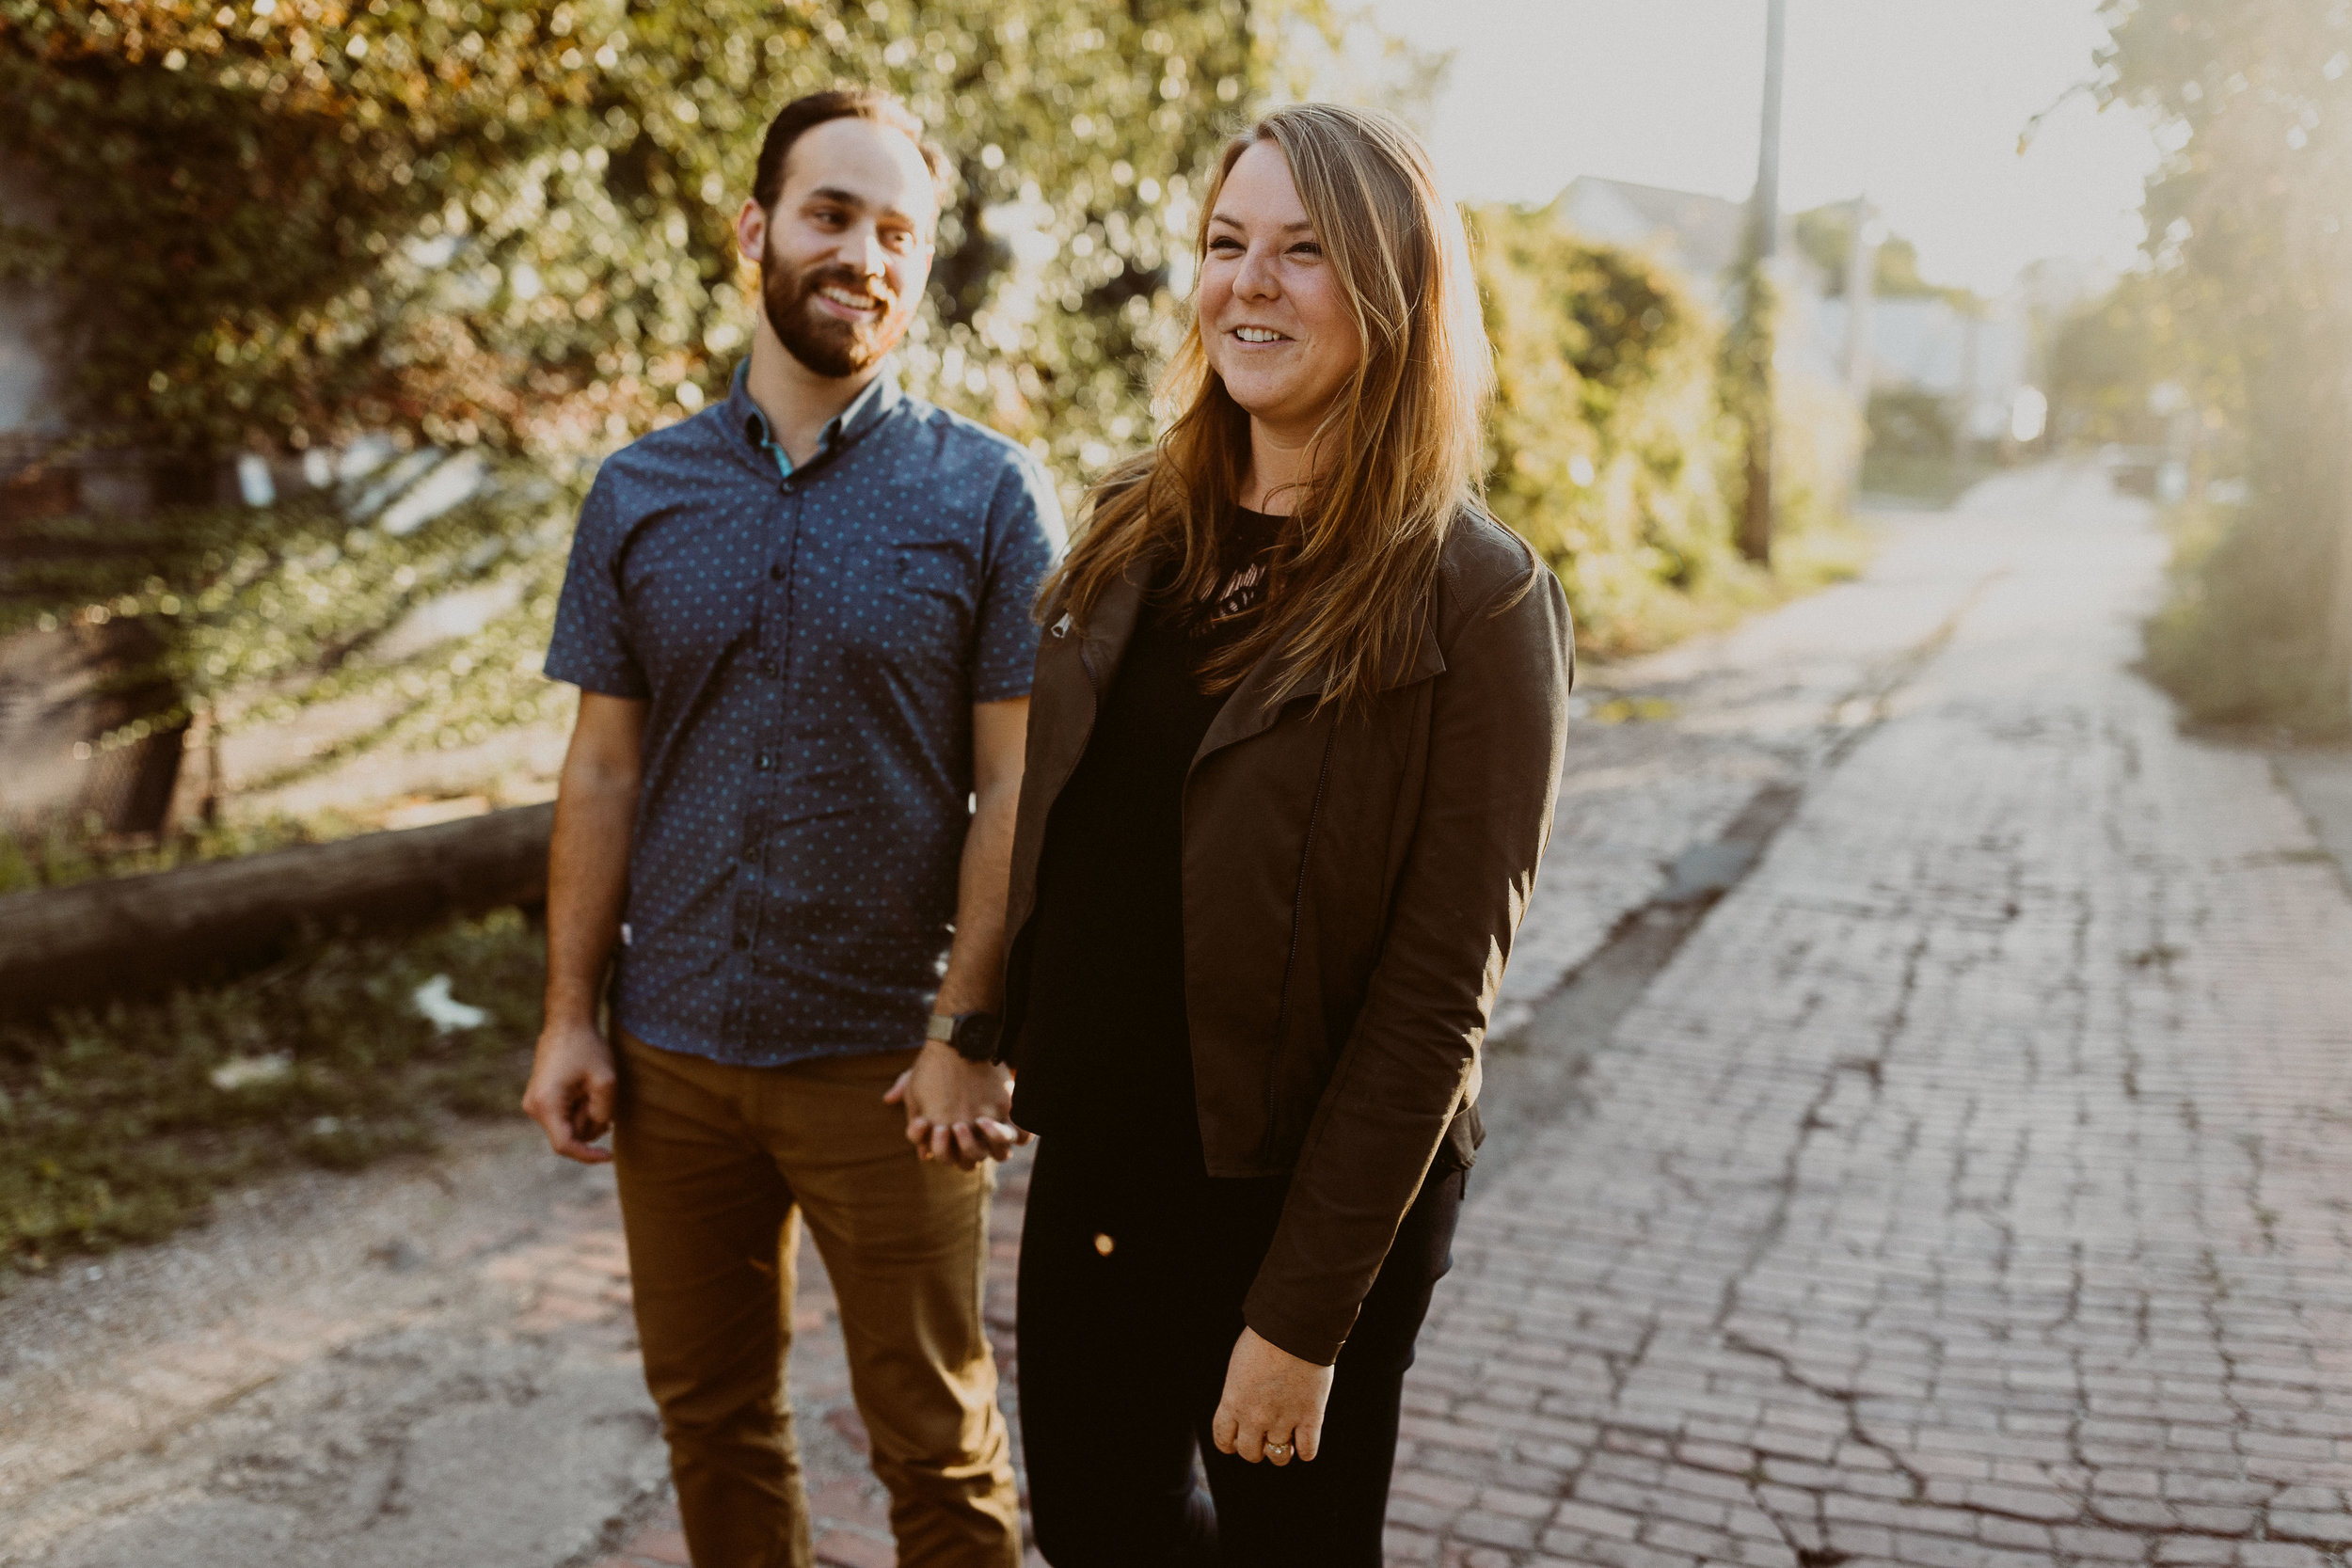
{"x":718,"y":1165}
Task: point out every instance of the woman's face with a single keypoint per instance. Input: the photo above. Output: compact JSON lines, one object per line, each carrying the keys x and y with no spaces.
{"x":1274,"y":316}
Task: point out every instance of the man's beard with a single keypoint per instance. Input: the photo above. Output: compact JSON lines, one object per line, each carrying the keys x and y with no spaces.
{"x":825,"y":344}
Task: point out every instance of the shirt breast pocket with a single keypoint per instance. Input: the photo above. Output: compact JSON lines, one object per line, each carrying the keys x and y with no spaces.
{"x":928,"y":596}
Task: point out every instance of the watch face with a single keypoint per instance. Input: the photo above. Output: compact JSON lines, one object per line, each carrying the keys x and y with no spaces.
{"x":975,"y":1036}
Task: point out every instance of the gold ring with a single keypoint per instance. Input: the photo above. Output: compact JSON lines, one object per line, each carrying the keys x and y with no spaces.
{"x":1277,"y":1448}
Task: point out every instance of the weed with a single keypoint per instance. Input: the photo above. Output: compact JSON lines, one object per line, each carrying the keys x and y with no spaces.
{"x":119,"y":1124}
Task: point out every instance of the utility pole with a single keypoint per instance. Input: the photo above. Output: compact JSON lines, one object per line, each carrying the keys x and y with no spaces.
{"x":2339,"y":618}
{"x":1755,"y":514}
{"x":1862,"y":263}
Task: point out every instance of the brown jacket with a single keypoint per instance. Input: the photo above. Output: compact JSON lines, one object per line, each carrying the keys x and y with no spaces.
{"x":1352,"y":884}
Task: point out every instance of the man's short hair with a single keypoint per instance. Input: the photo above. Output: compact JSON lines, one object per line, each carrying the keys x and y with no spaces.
{"x":805,"y":114}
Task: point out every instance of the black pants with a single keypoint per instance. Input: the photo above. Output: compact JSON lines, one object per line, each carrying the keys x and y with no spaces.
{"x":1133,"y":1272}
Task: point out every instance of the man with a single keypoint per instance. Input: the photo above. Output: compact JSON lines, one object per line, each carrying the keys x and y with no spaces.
{"x":799,"y":624}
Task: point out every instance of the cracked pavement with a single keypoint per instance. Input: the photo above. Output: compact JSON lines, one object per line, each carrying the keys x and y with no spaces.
{"x":1919,"y":1113}
{"x":1969,"y":1188}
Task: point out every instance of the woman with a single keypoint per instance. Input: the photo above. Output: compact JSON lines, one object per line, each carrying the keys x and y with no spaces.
{"x":1292,"y":752}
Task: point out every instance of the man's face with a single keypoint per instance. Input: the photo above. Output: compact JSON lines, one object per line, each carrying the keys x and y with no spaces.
{"x":844,"y":255}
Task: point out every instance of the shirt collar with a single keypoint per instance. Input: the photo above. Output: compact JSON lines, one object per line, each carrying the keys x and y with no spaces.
{"x":867,"y":410}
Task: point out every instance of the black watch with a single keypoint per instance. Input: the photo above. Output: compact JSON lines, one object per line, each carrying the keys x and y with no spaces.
{"x":971,"y":1035}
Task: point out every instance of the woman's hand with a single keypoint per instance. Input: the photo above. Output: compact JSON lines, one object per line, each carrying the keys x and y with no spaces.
{"x":1273,"y":1403}
{"x":958,"y":1111}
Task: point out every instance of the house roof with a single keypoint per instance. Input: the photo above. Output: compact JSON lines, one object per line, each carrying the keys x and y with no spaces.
{"x":1700,"y":235}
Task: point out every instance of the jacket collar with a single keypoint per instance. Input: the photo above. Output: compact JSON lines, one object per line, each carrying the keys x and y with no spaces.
{"x":1251,"y":709}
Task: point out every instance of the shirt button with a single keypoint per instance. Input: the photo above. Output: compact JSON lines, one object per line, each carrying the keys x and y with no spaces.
{"x":742,"y":942}
{"x":762,"y":761}
{"x":777,"y":572}
{"x":768,"y":668}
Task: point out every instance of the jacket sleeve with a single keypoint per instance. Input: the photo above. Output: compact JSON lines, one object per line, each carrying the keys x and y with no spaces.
{"x":1498,"y":721}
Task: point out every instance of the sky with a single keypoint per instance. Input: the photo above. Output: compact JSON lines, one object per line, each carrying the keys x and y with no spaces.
{"x":1920,"y":102}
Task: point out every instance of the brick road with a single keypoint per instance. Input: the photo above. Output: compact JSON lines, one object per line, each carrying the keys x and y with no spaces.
{"x":1971,"y":1188}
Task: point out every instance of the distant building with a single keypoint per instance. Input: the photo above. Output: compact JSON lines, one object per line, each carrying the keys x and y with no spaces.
{"x":1978,"y":361}
{"x":1699,"y":236}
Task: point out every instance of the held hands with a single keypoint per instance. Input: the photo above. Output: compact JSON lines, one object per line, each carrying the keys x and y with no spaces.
{"x":570,"y":1093}
{"x":957,"y":1110}
{"x":1272,"y":1408}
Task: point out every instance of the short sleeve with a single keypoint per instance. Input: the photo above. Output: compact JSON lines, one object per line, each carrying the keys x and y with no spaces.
{"x":590,"y":648}
{"x":1025,"y":534}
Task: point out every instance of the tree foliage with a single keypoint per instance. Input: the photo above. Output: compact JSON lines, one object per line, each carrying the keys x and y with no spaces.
{"x":508,"y":222}
{"x":2249,"y":218}
{"x":2107,"y":359}
{"x":1826,"y":234}
{"x":499,"y":232}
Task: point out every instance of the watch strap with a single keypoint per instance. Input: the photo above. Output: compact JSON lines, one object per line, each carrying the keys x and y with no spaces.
{"x":971,"y":1035}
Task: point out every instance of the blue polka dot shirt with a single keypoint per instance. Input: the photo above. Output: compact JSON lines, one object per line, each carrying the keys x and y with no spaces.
{"x":810,"y":644}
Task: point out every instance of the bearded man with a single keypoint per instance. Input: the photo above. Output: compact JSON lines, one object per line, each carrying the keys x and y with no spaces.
{"x":800,"y":624}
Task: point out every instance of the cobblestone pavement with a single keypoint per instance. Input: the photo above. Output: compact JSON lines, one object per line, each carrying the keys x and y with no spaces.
{"x":1956,"y":1192}
{"x":1971,"y":1188}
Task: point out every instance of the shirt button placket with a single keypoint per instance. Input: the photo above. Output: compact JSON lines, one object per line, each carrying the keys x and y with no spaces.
{"x":773,"y":632}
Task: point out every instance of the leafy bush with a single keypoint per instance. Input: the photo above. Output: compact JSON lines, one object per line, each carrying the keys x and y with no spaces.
{"x":1913,"y":421}
{"x":2234,"y":642}
{"x":2109,"y":358}
{"x":1610,"y":452}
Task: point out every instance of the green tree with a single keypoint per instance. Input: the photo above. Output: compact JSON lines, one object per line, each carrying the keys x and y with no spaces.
{"x":2109,"y":358}
{"x":498,"y":233}
{"x":2249,"y":218}
{"x":1826,"y":234}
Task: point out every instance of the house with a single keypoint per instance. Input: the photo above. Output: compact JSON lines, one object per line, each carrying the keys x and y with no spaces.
{"x":1702,"y":238}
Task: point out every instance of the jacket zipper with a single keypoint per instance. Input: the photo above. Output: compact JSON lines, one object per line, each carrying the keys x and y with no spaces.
{"x":1298,"y":912}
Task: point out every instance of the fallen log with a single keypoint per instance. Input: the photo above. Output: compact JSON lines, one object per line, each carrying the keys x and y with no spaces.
{"x":96,"y":940}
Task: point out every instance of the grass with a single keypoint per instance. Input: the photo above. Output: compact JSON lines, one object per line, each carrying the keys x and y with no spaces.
{"x":59,"y":856}
{"x":119,"y":1125}
{"x":1655,"y":615}
{"x":1814,"y":558}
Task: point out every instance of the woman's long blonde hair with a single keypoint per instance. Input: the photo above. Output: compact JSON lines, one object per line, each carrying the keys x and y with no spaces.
{"x":1395,"y":459}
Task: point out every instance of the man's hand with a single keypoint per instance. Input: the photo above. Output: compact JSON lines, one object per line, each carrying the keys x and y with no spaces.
{"x":570,"y":1094}
{"x":1272,"y":1408}
{"x":957,"y":1110}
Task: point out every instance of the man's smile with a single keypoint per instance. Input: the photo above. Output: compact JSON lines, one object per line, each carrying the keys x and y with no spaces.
{"x":849,"y":304}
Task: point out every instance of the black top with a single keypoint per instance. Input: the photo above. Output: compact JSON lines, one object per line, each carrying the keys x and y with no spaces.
{"x":1105,"y":1046}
